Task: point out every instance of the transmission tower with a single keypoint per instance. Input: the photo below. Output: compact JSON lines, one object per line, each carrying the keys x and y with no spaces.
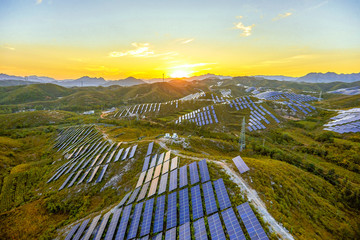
{"x":242,"y":136}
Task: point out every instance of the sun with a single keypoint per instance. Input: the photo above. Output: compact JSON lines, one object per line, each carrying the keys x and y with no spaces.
{"x":180,"y":74}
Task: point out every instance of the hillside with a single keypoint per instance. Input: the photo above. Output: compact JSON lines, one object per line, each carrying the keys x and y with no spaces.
{"x":31,"y":93}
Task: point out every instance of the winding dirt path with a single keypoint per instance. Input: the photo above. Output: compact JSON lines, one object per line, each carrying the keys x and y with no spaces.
{"x":244,"y":186}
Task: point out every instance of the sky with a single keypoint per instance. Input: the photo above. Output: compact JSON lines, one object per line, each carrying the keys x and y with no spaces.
{"x":115,"y":39}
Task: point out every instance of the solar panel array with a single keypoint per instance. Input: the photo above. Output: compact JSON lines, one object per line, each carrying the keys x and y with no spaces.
{"x":169,"y":214}
{"x":86,"y":152}
{"x":201,"y":117}
{"x":347,"y":121}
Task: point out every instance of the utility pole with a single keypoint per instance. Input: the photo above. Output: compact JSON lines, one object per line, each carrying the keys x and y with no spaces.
{"x":320,"y":96}
{"x":242,"y":136}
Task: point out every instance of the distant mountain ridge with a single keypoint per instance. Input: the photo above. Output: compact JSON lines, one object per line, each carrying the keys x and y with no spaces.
{"x":315,"y":77}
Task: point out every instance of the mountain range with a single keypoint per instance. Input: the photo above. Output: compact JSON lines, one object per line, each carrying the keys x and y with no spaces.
{"x":11,"y":80}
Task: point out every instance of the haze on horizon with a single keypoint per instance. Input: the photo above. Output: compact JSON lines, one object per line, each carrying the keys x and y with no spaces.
{"x":144,"y":39}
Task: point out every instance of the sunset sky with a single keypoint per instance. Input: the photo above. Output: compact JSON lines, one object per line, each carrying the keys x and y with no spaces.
{"x":144,"y":39}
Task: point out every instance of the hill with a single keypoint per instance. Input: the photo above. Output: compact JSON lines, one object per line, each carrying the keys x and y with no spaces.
{"x":31,"y":93}
{"x":329,"y":77}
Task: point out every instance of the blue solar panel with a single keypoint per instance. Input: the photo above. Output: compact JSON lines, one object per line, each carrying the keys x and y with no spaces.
{"x":117,"y":157}
{"x":173,"y":180}
{"x":146,"y":164}
{"x":251,"y":223}
{"x":240,"y":164}
{"x":183,"y":176}
{"x":159,"y":215}
{"x":91,"y":228}
{"x":194,"y":175}
{"x":115,"y":218}
{"x":153,"y":161}
{"x":215,"y":226}
{"x":200,"y":230}
{"x":232,"y":225}
{"x":123,"y":223}
{"x":171,"y":220}
{"x":170,"y":234}
{"x":103,"y":224}
{"x":147,"y":216}
{"x":133,"y":150}
{"x":102,"y":174}
{"x":210,"y":202}
{"x":72,"y":231}
{"x":204,"y":172}
{"x":184,"y":231}
{"x":184,"y":213}
{"x":135,"y":221}
{"x":157,"y":237}
{"x":222,"y":195}
{"x":196,"y":203}
{"x":134,"y":195}
{"x":66,"y":181}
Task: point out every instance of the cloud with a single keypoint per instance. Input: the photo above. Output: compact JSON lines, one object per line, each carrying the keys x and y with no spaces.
{"x":141,"y":50}
{"x":246,"y":30}
{"x":187,"y":41}
{"x":318,"y":5}
{"x":280,"y":16}
{"x":8,"y":47}
{"x":38,"y":1}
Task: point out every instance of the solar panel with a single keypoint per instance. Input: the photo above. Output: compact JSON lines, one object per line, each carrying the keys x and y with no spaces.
{"x":141,"y":179}
{"x":194,"y":176}
{"x":174,"y":163}
{"x":75,"y":178}
{"x":196,"y":203}
{"x":184,"y":212}
{"x":167,"y":156}
{"x":135,"y":221}
{"x":123,"y":223}
{"x":158,"y":237}
{"x":146,"y":164}
{"x":173,"y":180}
{"x":157,"y":171}
{"x":222,"y":195}
{"x":93,"y":174}
{"x":66,"y":181}
{"x":183,"y":176}
{"x":102,"y":174}
{"x":159,"y":215}
{"x":126,"y":153}
{"x":72,"y":231}
{"x":161,"y":158}
{"x":200,"y":230}
{"x":144,"y":238}
{"x":171,"y":220}
{"x":133,"y":195}
{"x":165,"y":167}
{"x":170,"y":234}
{"x":210,"y":202}
{"x":240,"y":164}
{"x":91,"y":228}
{"x":153,"y":186}
{"x":232,"y":225}
{"x":117,"y":157}
{"x":153,"y":161}
{"x":133,"y":150}
{"x":163,"y":182}
{"x":81,"y":229}
{"x":147,"y":216}
{"x":251,"y":223}
{"x":215,"y":226}
{"x":204,"y":171}
{"x":103,"y":224}
{"x":149,"y":175}
{"x":143,"y":191}
{"x":84,"y":176}
{"x":114,"y":220}
{"x":184,"y":231}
